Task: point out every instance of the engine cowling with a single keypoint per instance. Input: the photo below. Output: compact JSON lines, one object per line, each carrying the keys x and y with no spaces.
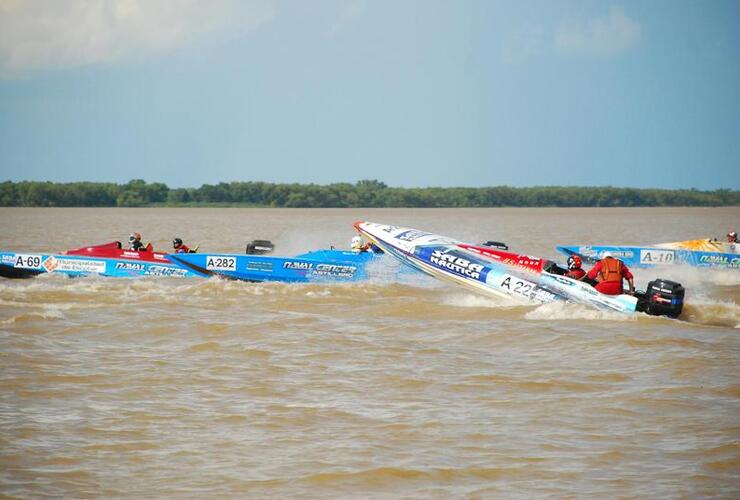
{"x":662,"y":298}
{"x":259,"y":247}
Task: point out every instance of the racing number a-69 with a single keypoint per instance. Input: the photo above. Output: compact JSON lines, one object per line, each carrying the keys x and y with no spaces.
{"x":27,"y":261}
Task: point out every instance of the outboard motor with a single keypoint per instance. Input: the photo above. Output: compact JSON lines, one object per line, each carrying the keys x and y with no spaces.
{"x":495,"y":244}
{"x":662,"y":298}
{"x":259,"y":247}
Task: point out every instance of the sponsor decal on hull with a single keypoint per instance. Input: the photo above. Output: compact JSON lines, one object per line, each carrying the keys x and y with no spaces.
{"x":587,"y":251}
{"x":74,"y":265}
{"x":259,"y":266}
{"x":541,"y":295}
{"x":617,"y":254}
{"x":150,"y":269}
{"x":315,"y":269}
{"x":157,"y":270}
{"x":457,"y":264}
{"x":298,"y":266}
{"x":338,"y":270}
{"x":719,"y":260}
{"x":562,"y":281}
{"x":412,"y":235}
{"x":130,"y":266}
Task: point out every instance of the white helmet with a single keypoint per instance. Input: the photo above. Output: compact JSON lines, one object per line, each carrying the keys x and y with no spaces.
{"x":356,"y":242}
{"x":606,"y":254}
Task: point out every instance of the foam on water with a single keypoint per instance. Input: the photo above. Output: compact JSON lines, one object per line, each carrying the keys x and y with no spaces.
{"x":702,"y":304}
{"x":567,"y":311}
{"x":690,"y":276}
{"x":50,"y":312}
{"x":470,"y":300}
{"x":712,"y":312}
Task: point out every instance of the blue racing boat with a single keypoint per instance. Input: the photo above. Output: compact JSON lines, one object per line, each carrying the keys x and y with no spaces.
{"x":700,"y":253}
{"x":104,"y":260}
{"x":113,"y":261}
{"x":320,"y":265}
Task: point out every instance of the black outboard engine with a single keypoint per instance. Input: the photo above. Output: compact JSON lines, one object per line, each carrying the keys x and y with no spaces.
{"x":662,"y":298}
{"x":259,"y":247}
{"x":495,"y":244}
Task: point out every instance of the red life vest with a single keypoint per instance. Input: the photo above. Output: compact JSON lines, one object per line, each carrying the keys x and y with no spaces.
{"x":611,"y":270}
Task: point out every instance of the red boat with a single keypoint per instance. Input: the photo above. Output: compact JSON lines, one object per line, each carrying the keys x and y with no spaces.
{"x":113,"y":250}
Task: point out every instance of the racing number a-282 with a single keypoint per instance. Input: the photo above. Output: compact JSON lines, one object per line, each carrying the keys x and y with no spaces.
{"x":221,"y":263}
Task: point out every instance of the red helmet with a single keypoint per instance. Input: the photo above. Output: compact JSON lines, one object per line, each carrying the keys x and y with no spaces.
{"x":574,"y":262}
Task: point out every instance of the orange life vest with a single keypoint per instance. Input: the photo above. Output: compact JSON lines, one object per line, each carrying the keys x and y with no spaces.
{"x":611,"y":270}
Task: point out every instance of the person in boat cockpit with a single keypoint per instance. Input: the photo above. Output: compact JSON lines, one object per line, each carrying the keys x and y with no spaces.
{"x":358,"y":246}
{"x":180,"y":247}
{"x":609,"y":273}
{"x":134,"y":243}
{"x":732,"y":237}
{"x":575,"y":270}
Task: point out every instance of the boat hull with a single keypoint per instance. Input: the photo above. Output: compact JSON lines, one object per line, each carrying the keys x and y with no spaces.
{"x":450,"y":260}
{"x":27,"y":265}
{"x":318,"y":266}
{"x":321,"y":265}
{"x":651,"y":256}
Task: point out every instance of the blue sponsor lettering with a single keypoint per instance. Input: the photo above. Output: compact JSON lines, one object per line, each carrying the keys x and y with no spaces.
{"x":157,"y":270}
{"x":300,"y":266}
{"x":129,"y":266}
{"x":342,"y":271}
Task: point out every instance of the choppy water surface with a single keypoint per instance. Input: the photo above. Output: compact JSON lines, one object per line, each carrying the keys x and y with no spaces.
{"x":411,"y":389}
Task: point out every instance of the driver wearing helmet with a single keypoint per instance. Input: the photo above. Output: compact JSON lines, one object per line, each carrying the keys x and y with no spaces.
{"x":134,"y":243}
{"x":732,"y":237}
{"x":180,"y":247}
{"x":358,"y":246}
{"x":575,"y":270}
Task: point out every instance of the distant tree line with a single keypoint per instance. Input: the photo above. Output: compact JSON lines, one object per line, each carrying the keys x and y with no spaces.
{"x":365,"y":193}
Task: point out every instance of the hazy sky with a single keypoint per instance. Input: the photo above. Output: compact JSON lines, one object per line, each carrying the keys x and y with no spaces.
{"x":412,"y":93}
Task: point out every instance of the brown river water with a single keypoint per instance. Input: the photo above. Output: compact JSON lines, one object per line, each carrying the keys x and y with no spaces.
{"x":398,"y":387}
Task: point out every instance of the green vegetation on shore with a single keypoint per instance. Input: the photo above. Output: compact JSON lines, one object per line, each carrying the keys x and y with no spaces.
{"x":365,"y":193}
